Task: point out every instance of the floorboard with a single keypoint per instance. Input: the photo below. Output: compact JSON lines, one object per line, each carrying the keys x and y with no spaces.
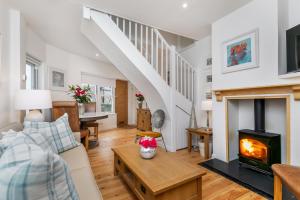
{"x":215,"y":187}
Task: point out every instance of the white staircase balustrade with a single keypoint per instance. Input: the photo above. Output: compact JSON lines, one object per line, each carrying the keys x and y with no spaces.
{"x":156,"y":50}
{"x":142,"y":54}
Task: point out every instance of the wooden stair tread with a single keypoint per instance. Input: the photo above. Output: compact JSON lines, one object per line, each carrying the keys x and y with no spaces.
{"x":290,"y":175}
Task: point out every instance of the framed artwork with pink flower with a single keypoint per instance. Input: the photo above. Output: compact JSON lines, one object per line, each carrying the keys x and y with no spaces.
{"x":241,"y":53}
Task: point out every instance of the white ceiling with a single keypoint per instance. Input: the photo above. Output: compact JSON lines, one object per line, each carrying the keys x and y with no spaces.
{"x":58,"y":21}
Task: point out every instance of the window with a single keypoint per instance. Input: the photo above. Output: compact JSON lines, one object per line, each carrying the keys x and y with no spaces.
{"x":103,"y":96}
{"x":32,"y":73}
{"x":106,"y":99}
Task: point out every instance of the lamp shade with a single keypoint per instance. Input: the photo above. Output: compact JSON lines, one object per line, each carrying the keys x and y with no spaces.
{"x":33,"y":99}
{"x":206,"y":105}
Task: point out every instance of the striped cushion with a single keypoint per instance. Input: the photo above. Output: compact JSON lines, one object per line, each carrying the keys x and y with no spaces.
{"x":6,"y":139}
{"x":59,"y":130}
{"x":29,"y":173}
{"x":41,"y":139}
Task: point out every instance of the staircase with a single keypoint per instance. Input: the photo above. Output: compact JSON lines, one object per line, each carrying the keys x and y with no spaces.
{"x":142,"y":54}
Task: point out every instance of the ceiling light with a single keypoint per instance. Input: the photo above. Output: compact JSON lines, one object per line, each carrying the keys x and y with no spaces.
{"x":97,"y":55}
{"x":184,"y":5}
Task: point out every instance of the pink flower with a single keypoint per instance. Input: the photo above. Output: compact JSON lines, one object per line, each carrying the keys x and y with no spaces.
{"x":147,"y":142}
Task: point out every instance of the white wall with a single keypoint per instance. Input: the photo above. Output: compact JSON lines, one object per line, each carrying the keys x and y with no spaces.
{"x":74,"y":65}
{"x":243,"y":20}
{"x":12,"y":62}
{"x":19,"y":39}
{"x":35,"y":45}
{"x":4,"y":65}
{"x":264,"y":16}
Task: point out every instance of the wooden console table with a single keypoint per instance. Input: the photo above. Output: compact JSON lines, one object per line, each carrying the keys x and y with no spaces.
{"x":200,"y":132}
{"x":162,"y":178}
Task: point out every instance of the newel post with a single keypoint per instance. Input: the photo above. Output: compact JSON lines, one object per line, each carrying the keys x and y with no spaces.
{"x":173,"y":96}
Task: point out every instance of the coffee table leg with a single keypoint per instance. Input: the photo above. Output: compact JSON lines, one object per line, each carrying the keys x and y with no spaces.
{"x":189,"y":141}
{"x":199,"y":188}
{"x":116,"y":172}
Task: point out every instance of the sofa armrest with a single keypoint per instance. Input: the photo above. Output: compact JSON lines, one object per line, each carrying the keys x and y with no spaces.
{"x":77,"y":136}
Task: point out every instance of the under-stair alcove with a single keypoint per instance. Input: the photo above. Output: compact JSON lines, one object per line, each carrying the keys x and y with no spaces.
{"x":240,"y":115}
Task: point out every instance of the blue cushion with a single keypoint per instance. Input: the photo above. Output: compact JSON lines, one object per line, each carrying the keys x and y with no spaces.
{"x":60,"y":131}
{"x":27,"y":172}
{"x":41,"y":139}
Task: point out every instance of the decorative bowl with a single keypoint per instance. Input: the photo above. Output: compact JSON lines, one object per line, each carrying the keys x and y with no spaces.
{"x":147,"y":153}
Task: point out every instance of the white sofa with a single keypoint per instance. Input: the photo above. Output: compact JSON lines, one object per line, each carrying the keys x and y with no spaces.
{"x":80,"y":168}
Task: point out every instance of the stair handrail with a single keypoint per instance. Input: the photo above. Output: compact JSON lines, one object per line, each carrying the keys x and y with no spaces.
{"x":160,"y":57}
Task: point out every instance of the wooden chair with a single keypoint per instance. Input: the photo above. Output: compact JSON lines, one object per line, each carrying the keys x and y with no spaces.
{"x":71,"y":108}
{"x":290,"y":176}
{"x":157,"y":121}
{"x":91,"y":107}
{"x":150,"y":134}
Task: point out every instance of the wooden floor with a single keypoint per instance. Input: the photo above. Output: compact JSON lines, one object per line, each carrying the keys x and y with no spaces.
{"x":215,"y":187}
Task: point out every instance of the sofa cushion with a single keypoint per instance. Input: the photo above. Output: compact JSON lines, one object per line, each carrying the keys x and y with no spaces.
{"x":28,"y":172}
{"x":41,"y":139}
{"x":59,"y":130}
{"x":6,"y":139}
{"x":85,"y":184}
{"x":76,"y":158}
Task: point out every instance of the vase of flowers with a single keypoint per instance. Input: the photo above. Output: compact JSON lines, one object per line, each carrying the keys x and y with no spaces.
{"x":148,"y":147}
{"x":140,"y":98}
{"x":82,"y":95}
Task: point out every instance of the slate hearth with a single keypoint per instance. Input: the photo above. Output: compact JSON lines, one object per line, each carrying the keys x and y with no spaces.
{"x":253,"y":180}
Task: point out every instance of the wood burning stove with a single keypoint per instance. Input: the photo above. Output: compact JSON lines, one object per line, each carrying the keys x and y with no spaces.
{"x":257,"y":148}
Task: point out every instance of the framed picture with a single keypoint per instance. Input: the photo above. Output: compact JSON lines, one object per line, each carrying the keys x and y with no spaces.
{"x":209,"y":78}
{"x":241,"y":52}
{"x":209,"y":61}
{"x":57,"y":79}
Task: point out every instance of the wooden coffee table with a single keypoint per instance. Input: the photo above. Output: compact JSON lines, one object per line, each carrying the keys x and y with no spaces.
{"x":164,"y":177}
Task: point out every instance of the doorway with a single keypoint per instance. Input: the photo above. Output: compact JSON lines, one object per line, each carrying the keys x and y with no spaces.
{"x":121,"y":106}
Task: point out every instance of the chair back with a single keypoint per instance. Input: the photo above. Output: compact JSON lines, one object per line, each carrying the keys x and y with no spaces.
{"x":69,"y":107}
{"x":90,"y":107}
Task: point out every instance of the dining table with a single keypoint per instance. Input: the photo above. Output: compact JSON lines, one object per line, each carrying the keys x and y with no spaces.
{"x":91,"y":117}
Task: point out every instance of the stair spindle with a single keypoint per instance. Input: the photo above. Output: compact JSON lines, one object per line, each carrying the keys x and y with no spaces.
{"x":142,"y":39}
{"x":156,"y":52}
{"x":129,"y":30}
{"x":162,"y":60}
{"x":147,"y":44}
{"x":135,"y":34}
{"x":124,"y":27}
{"x":152,"y":43}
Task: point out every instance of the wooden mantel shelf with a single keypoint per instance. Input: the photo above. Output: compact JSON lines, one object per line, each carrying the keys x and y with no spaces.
{"x":261,"y":90}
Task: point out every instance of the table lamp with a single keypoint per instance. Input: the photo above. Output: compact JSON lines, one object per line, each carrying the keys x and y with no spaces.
{"x":34,"y":101}
{"x":207,"y":106}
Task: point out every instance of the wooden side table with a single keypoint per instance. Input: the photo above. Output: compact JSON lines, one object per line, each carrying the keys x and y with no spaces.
{"x":207,"y":134}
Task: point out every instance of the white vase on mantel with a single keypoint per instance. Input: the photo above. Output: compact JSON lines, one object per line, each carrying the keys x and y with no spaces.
{"x":81,"y":108}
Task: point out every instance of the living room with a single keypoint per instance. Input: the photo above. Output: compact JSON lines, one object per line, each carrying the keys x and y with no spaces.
{"x":148,"y":96}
